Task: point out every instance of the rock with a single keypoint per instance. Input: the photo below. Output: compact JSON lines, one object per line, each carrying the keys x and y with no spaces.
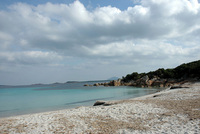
{"x":108,"y":104}
{"x":158,"y":95}
{"x":86,"y":85}
{"x":106,"y":84}
{"x":96,"y":84}
{"x":140,"y":83}
{"x":113,"y":83}
{"x":117,"y":82}
{"x":104,"y":103}
{"x":175,"y":87}
{"x":155,"y":78}
{"x":101,"y":84}
{"x":168,"y":84}
{"x":161,"y":85}
{"x":145,"y":78}
{"x":98,"y":103}
{"x":149,"y":82}
{"x":129,"y":84}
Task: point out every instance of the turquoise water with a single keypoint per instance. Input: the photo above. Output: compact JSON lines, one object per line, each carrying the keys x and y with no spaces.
{"x":32,"y":99}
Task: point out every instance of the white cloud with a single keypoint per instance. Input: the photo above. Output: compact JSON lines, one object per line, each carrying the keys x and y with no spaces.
{"x":116,"y":49}
{"x":73,"y":25}
{"x":5,"y":40}
{"x":150,"y":33}
{"x":106,"y":15}
{"x":29,"y":57}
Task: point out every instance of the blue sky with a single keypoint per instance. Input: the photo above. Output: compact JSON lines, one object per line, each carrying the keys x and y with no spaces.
{"x":44,"y":41}
{"x":90,"y":4}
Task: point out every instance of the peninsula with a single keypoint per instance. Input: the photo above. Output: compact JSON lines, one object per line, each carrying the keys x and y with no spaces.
{"x":162,"y":78}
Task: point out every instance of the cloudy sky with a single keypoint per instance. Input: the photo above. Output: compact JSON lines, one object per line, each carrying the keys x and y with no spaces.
{"x":48,"y":41}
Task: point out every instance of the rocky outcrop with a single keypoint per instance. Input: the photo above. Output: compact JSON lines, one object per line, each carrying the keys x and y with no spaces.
{"x":161,"y":77}
{"x":115,"y":83}
{"x":157,"y":82}
{"x":111,"y":83}
{"x":98,"y":84}
{"x":145,"y":81}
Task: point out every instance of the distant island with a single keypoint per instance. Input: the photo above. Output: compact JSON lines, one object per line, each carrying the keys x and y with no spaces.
{"x":87,"y":81}
{"x":113,"y":78}
{"x":160,"y":78}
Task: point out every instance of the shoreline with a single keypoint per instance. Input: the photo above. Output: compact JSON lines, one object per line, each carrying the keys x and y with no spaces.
{"x":169,"y":111}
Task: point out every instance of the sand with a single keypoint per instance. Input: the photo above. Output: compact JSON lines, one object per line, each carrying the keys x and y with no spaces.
{"x":174,"y":111}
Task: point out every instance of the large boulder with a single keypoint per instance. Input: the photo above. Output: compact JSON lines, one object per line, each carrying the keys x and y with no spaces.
{"x":140,"y":83}
{"x":159,"y":83}
{"x":149,"y":83}
{"x":128,"y":84}
{"x":105,"y":103}
{"x":98,"y":103}
{"x":96,"y":84}
{"x":145,"y":78}
{"x":106,"y":84}
{"x":115,"y":83}
{"x":86,"y":85}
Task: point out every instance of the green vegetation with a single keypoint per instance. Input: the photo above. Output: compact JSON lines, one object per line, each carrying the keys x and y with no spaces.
{"x":185,"y":71}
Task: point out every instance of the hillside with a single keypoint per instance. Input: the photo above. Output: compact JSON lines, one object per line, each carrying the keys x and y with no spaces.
{"x":160,"y":78}
{"x":185,"y":71}
{"x":165,"y":77}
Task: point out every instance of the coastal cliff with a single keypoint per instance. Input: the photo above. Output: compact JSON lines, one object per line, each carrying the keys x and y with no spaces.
{"x":189,"y":72}
{"x":165,"y":77}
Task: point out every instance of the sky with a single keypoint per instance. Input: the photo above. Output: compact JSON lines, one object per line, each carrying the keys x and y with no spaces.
{"x":47,"y":41}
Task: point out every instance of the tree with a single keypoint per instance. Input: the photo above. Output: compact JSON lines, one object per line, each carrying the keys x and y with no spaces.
{"x":185,"y":71}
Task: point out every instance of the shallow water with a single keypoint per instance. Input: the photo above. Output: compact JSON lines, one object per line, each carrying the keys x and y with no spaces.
{"x":17,"y":100}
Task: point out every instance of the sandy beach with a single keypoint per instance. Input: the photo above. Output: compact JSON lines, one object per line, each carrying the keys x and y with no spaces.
{"x":170,"y":111}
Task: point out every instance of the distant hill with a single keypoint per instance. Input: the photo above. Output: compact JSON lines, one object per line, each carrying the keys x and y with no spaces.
{"x":113,"y":78}
{"x":86,"y":81}
{"x":184,"y":71}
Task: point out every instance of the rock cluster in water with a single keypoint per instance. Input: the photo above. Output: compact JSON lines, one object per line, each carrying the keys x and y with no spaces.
{"x":111,"y":83}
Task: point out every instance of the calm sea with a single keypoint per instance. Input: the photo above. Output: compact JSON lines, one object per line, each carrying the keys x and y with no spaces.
{"x":18,"y":100}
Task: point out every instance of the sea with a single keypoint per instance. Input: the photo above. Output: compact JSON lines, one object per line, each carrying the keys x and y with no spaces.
{"x":20,"y":100}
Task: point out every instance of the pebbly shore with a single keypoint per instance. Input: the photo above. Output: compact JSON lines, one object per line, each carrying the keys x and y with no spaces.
{"x":169,"y":111}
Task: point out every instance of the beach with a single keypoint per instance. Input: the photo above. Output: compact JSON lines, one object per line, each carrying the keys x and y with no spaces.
{"x":169,"y":111}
